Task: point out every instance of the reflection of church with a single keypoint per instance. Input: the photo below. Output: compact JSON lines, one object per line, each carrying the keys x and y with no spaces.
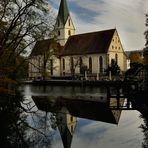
{"x":66,"y":125}
{"x":68,"y":110}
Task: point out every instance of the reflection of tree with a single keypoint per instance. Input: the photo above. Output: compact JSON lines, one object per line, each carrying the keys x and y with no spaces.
{"x":144,"y":127}
{"x":22,"y":127}
{"x":12,"y":125}
{"x":40,"y":126}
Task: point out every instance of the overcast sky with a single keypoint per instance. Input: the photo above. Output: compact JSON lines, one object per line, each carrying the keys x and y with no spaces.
{"x":128,"y":16}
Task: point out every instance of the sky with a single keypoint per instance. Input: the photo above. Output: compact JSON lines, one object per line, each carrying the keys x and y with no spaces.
{"x":127,"y":16}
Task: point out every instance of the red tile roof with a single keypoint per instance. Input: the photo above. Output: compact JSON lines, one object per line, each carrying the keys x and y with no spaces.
{"x":89,"y":43}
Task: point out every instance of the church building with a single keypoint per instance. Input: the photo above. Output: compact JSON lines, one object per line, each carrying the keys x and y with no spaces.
{"x":93,"y":50}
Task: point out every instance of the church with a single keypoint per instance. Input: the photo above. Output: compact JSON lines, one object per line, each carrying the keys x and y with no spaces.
{"x":91,"y":51}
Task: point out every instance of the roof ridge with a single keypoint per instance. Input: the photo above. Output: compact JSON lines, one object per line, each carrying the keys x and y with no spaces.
{"x":93,"y":32}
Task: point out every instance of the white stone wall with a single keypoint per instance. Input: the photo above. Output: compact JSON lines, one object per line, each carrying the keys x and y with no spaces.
{"x":65,"y":31}
{"x":116,"y":48}
{"x":36,"y":65}
{"x":85,"y":59}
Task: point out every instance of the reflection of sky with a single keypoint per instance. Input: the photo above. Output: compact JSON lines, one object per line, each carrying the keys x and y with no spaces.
{"x":92,"y":134}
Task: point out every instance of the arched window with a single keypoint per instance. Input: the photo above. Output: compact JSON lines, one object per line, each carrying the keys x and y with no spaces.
{"x":69,"y":32}
{"x":90,"y":65}
{"x":63,"y":64}
{"x":116,"y":58}
{"x":71,"y":118}
{"x":72,"y":66}
{"x":101,"y":64}
{"x":51,"y":67}
{"x":80,"y":62}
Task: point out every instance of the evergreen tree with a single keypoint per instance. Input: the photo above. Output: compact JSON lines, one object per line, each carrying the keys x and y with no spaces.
{"x":113,"y":68}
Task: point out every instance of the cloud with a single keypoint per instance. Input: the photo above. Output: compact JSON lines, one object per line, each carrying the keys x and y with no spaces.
{"x":127,"y":16}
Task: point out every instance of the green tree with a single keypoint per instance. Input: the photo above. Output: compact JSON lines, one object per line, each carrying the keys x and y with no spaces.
{"x":136,"y":57}
{"x":146,"y":43}
{"x":113,"y":68}
{"x":22,"y":22}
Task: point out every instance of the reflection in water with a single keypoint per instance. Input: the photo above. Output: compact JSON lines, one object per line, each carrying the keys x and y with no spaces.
{"x":67,"y":110}
{"x":144,"y":126}
{"x":88,"y":132}
{"x":66,"y":125}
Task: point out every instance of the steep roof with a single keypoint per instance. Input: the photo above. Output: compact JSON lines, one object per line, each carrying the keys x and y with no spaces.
{"x":89,"y":43}
{"x":45,"y":45}
{"x":63,"y":12}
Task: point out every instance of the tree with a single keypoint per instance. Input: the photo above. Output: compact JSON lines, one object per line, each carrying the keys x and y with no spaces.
{"x":113,"y":68}
{"x":22,"y":22}
{"x":146,"y":43}
{"x":136,"y":57}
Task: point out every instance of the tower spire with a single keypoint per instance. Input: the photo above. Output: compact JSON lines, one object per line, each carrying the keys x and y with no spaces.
{"x":64,"y":26}
{"x":63,"y":12}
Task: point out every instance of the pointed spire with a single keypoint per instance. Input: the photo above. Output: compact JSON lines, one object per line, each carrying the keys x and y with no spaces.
{"x":63,"y":12}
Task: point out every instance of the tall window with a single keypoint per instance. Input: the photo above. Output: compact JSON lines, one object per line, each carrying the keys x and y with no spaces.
{"x":101,"y":64}
{"x":69,"y":22}
{"x":63,"y":64}
{"x":69,"y":32}
{"x":72,"y":65}
{"x":51,"y":66}
{"x":116,"y":58}
{"x":81,"y":62}
{"x":90,"y":65}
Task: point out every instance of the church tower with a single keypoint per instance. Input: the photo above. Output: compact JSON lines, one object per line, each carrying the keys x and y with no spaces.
{"x":64,"y":26}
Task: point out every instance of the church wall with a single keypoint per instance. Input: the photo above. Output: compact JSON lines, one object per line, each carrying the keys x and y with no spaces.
{"x":64,"y":31}
{"x":116,"y":52}
{"x":35,"y":67}
{"x":85,"y":59}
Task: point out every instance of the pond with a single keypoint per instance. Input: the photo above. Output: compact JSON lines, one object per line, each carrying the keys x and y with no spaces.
{"x":82,"y":123}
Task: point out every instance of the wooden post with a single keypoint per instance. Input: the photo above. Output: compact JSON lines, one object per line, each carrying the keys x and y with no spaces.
{"x":97,"y":76}
{"x":108,"y":96}
{"x":110,"y":75}
{"x":85,"y":75}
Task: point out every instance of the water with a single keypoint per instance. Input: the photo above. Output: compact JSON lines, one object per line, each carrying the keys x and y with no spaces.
{"x":88,"y":124}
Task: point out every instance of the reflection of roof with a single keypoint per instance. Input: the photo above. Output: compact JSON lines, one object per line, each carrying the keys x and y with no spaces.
{"x":89,"y":43}
{"x":43,"y":46}
{"x":79,"y":108}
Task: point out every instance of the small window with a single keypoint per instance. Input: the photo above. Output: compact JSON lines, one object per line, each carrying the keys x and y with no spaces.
{"x":112,"y":47}
{"x":69,"y":22}
{"x":69,"y":32}
{"x":119,"y":48}
{"x":71,"y":118}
